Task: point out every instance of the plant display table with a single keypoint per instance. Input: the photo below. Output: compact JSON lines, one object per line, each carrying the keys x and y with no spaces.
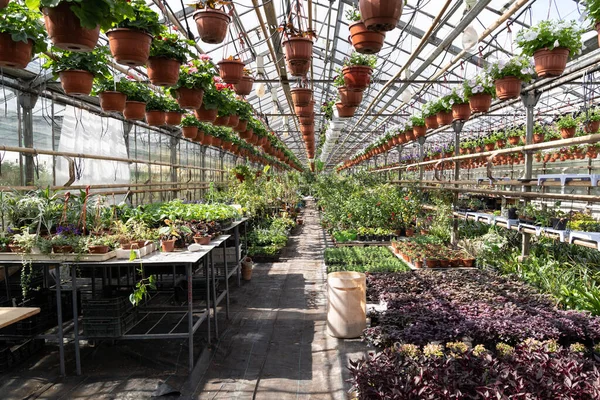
{"x":10,"y":315}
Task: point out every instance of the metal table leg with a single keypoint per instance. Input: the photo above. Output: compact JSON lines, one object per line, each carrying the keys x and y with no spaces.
{"x":190,"y":320}
{"x":226,"y":280}
{"x":75,"y":318}
{"x":214,"y":293}
{"x":205,"y":259}
{"x":61,"y":345}
{"x":238,"y":253}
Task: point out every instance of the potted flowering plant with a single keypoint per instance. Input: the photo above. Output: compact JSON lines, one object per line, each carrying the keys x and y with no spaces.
{"x":461,"y":110}
{"x":77,"y":69}
{"x":211,"y":20}
{"x":479,"y":91}
{"x":348,"y":97}
{"x":508,"y":76}
{"x":514,"y":136}
{"x":156,"y":108}
{"x":298,"y":48}
{"x":244,"y":86}
{"x":244,"y":112}
{"x":21,"y":35}
{"x":444,"y":115}
{"x":592,"y":8}
{"x":189,"y":126}
{"x":167,"y":53}
{"x":195,"y":78}
{"x":231,"y":70}
{"x":430,"y":111}
{"x":174,"y":113}
{"x":567,"y":125}
{"x":357,"y":70}
{"x":301,"y":96}
{"x":110,"y":92}
{"x":381,"y":16}
{"x":363,"y":40}
{"x":591,"y":120}
{"x":408,"y":131}
{"x":138,"y":95}
{"x":418,"y":124}
{"x":74,"y":25}
{"x":550,"y":43}
{"x":130,"y":39}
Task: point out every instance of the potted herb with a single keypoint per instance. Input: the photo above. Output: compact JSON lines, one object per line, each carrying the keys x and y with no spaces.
{"x":169,"y":234}
{"x":74,"y":25}
{"x":195,"y":78}
{"x":508,"y":76}
{"x":110,"y":92}
{"x":231,"y":70}
{"x":591,"y":120}
{"x":211,"y":20}
{"x":567,"y":125}
{"x":357,"y":71}
{"x":174,"y":113}
{"x":244,"y":112}
{"x":550,"y":43}
{"x":138,"y":95}
{"x":21,"y":35}
{"x":461,"y":110}
{"x":167,"y":53}
{"x":363,"y":40}
{"x":99,"y":244}
{"x":131,"y":38}
{"x":592,"y":7}
{"x":156,"y":108}
{"x":78,"y":69}
{"x":381,"y":16}
{"x":242,"y":172}
{"x":189,"y":126}
{"x":244,"y":87}
{"x":479,"y":91}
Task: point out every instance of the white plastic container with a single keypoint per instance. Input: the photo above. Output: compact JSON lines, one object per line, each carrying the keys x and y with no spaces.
{"x":347,"y":304}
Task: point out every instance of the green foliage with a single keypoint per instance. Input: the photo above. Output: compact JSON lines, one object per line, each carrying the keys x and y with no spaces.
{"x":362,"y":259}
{"x":22,"y":25}
{"x":156,"y":102}
{"x":197,"y":74}
{"x":592,"y":7}
{"x":171,"y":46}
{"x":91,"y":13}
{"x":480,"y":84}
{"x":550,"y":35}
{"x":432,"y":108}
{"x":143,"y":19}
{"x":416,"y":120}
{"x":518,"y":67}
{"x":190,"y":120}
{"x":353,"y":14}
{"x":103,"y":83}
{"x":360,"y":59}
{"x":95,"y":61}
{"x":566,"y":121}
{"x":135,"y":91}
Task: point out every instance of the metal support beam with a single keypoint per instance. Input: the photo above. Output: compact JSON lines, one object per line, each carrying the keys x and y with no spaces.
{"x":421,"y":141}
{"x":174,"y":149}
{"x":458,"y":127}
{"x":27,"y":102}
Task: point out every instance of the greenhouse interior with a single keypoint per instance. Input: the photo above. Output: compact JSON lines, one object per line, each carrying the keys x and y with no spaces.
{"x":299,"y":199}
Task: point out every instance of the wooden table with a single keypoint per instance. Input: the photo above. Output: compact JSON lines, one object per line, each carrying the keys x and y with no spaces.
{"x":10,"y":315}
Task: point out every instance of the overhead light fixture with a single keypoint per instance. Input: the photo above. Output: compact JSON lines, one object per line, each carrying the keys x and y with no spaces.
{"x":469,"y":37}
{"x":260,"y":90}
{"x":407,"y":95}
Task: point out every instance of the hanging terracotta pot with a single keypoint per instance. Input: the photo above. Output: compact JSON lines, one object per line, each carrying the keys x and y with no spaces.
{"x":410,"y":135}
{"x":514,"y":140}
{"x":480,"y":102}
{"x":567,"y":133}
{"x":207,"y":140}
{"x":134,"y":110}
{"x":14,"y":54}
{"x":246,"y":135}
{"x":221,"y":120}
{"x":190,"y":132}
{"x":344,"y":111}
{"x":189,"y":99}
{"x":431,"y":122}
{"x":241,"y":126}
{"x":244,"y":87}
{"x":212,"y":25}
{"x":173,"y":118}
{"x":444,"y":118}
{"x":65,"y":30}
{"x":307,"y":120}
{"x":350,"y":98}
{"x":129,"y":46}
{"x":301,"y":97}
{"x":298,"y":53}
{"x":231,"y":71}
{"x":419,"y":131}
{"x":306,"y":111}
{"x":461,"y":112}
{"x":591,"y":127}
{"x":357,"y":77}
{"x":551,"y":62}
{"x":76,"y":82}
{"x":381,"y":15}
{"x":112,"y":101}
{"x":155,"y":118}
{"x":365,"y":41}
{"x":538,"y":138}
{"x":227,"y":146}
{"x":163,"y":71}
{"x":3,"y":3}
{"x":508,"y":88}
{"x":217,"y":142}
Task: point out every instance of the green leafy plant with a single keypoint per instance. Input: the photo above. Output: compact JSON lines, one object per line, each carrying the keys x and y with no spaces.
{"x":143,"y":19}
{"x":480,"y":84}
{"x":432,"y":108}
{"x":592,"y":8}
{"x":550,"y":35}
{"x":190,"y":120}
{"x":591,"y":115}
{"x":518,"y":67}
{"x":156,"y":102}
{"x":353,"y":15}
{"x":95,"y":61}
{"x":135,"y":91}
{"x":91,"y":13}
{"x":416,"y":120}
{"x":103,"y":83}
{"x":566,"y":122}
{"x":197,"y":74}
{"x":171,"y":46}
{"x":173,"y":106}
{"x":23,"y":25}
{"x":338,"y":80}
{"x":357,"y":59}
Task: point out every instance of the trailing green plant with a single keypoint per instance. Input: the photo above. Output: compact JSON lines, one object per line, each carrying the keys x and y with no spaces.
{"x":416,"y":120}
{"x":95,"y":61}
{"x":197,"y":74}
{"x":550,"y":35}
{"x":173,"y":106}
{"x":23,"y":25}
{"x":358,"y":59}
{"x":566,"y":122}
{"x":171,"y":46}
{"x":143,"y":19}
{"x":592,"y":9}
{"x":518,"y":67}
{"x":104,"y":83}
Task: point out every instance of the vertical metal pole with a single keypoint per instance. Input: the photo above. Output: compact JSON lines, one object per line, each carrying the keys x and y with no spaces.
{"x":421,"y":141}
{"x":214,"y":293}
{"x":222,"y":165}
{"x":174,"y":156}
{"x":190,"y":319}
{"x":27,"y":102}
{"x":238,"y":254}
{"x":205,"y":259}
{"x":457,"y":126}
{"x":75,"y":319}
{"x":203,"y":164}
{"x":61,"y":344}
{"x":400,"y":148}
{"x":226,"y":279}
{"x":529,"y":99}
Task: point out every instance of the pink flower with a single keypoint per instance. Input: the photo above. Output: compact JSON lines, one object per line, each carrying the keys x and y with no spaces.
{"x":193,"y":70}
{"x":205,"y":57}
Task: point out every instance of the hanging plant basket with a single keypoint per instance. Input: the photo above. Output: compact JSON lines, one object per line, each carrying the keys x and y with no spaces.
{"x":221,"y":121}
{"x":307,"y":120}
{"x":155,"y":118}
{"x":538,"y":138}
{"x":307,"y":111}
{"x":14,"y":54}
{"x":234,"y":120}
{"x":357,"y":77}
{"x":301,"y":97}
{"x":190,"y":132}
{"x":480,"y":102}
{"x":134,"y":110}
{"x":163,"y":71}
{"x":514,"y":140}
{"x":112,"y":101}
{"x":381,"y":15}
{"x":205,"y":139}
{"x":444,"y":118}
{"x":550,"y":62}
{"x":591,"y":127}
{"x":419,"y":131}
{"x":298,"y":53}
{"x":76,"y":82}
{"x":350,"y":98}
{"x":431,"y":122}
{"x":345,"y":111}
{"x":508,"y":88}
{"x":212,"y":25}
{"x":461,"y":112}
{"x":231,"y":71}
{"x":65,"y":30}
{"x":567,"y":133}
{"x":365,"y":41}
{"x":244,"y":87}
{"x":241,"y":126}
{"x":189,"y":99}
{"x":129,"y":46}
{"x":410,"y":135}
{"x":246,"y":135}
{"x":173,"y":118}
